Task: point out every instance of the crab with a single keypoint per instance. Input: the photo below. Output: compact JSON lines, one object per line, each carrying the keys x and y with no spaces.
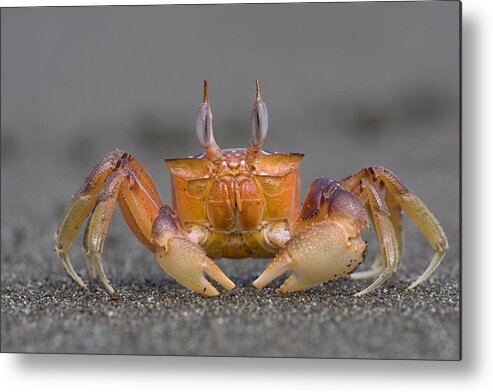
{"x":244,"y":202}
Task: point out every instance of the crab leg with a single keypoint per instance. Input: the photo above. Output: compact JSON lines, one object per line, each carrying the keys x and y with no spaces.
{"x":119,"y":176}
{"x":375,"y":270}
{"x":384,"y":228}
{"x":81,"y":205}
{"x":413,"y":206}
{"x":98,"y":226}
{"x":395,"y":212}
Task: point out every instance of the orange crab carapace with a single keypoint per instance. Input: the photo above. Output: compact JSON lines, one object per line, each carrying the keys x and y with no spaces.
{"x":245,"y":202}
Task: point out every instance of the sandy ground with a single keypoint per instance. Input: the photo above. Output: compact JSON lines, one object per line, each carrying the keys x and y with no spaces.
{"x":44,"y":311}
{"x":345,"y":110}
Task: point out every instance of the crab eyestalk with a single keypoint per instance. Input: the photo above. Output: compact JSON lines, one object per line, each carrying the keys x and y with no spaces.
{"x":260,"y":123}
{"x":203,"y":128}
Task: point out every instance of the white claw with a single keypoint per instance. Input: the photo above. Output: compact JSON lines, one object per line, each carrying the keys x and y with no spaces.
{"x":186,"y":262}
{"x":280,"y":265}
{"x":317,"y":254}
{"x":211,"y":269}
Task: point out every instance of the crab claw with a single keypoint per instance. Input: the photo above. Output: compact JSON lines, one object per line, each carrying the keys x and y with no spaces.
{"x":186,"y":262}
{"x":183,"y":259}
{"x":321,"y":252}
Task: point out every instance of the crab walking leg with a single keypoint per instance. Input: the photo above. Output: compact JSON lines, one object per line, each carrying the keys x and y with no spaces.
{"x":98,"y":226}
{"x":93,"y":273}
{"x":395,"y":214}
{"x":395,"y":211}
{"x":384,"y":228}
{"x":182,"y":259}
{"x":375,"y":270}
{"x":119,"y":176}
{"x":376,"y":267}
{"x":414,"y":207}
{"x":392,"y":203}
{"x":139,"y":202}
{"x":79,"y":208}
{"x":138,"y":199}
{"x":139,"y":205}
{"x":431,"y":229}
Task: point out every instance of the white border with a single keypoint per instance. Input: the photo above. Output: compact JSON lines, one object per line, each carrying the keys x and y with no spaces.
{"x":122,"y":373}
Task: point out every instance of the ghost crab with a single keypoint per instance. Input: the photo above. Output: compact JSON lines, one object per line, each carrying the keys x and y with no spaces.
{"x":238,"y":203}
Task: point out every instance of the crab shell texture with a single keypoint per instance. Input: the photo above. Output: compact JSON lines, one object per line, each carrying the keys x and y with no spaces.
{"x":232,"y":198}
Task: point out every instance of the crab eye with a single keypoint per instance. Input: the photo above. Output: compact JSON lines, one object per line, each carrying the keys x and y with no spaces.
{"x":260,"y":121}
{"x":203,"y":126}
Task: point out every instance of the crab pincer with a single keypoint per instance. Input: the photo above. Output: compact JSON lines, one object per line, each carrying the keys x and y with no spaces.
{"x":326,"y":243}
{"x":184,"y":260}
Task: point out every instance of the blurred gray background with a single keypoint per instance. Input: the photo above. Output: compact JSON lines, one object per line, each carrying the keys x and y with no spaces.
{"x":348,"y":84}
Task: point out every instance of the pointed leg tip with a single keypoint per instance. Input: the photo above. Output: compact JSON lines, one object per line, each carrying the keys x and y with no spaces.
{"x":65,"y":259}
{"x":111,"y":291}
{"x":418,"y":281}
{"x":366,"y":291}
{"x":79,"y":281}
